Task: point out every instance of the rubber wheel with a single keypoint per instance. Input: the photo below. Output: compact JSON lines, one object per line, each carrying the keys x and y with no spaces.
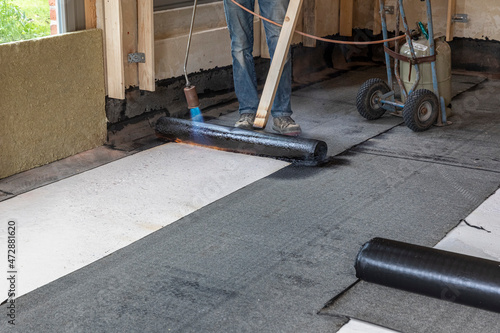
{"x":421,"y":110}
{"x":368,"y":98}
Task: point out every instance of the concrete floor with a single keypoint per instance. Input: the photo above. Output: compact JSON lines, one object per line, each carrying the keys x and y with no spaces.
{"x":168,"y":237}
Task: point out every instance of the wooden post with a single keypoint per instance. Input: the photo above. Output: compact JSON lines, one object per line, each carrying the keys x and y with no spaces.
{"x":90,"y":14}
{"x":309,"y":16}
{"x":99,"y":8}
{"x":279,"y":58}
{"x":449,"y":25}
{"x":264,"y":50}
{"x":377,"y":20}
{"x":146,"y":44}
{"x":346,"y":12}
{"x":114,"y":48}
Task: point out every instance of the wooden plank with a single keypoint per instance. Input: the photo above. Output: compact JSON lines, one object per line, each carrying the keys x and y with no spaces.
{"x":257,"y":37}
{"x":296,"y":38}
{"x":130,"y":37}
{"x":146,"y":44}
{"x":449,"y":26}
{"x":114,"y":48}
{"x":90,"y":14}
{"x":309,"y":23}
{"x":280,"y":55}
{"x":327,"y":17}
{"x":377,"y":20}
{"x":264,"y":50}
{"x":346,"y":12}
{"x":99,"y":10}
{"x":100,"y":25}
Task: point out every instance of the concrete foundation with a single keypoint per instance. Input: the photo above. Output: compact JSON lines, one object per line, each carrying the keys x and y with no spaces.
{"x":476,"y":55}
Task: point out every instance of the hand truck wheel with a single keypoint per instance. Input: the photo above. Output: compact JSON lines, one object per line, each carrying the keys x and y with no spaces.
{"x":421,"y":110}
{"x":368,"y":98}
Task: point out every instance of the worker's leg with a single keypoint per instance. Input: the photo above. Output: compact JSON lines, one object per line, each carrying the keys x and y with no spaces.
{"x":281,"y":109}
{"x":240,"y":24}
{"x":276,"y":11}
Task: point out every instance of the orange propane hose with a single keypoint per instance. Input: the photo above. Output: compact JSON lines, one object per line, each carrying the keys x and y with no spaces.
{"x":320,"y":38}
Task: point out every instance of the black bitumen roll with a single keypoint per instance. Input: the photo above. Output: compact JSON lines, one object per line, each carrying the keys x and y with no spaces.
{"x":427,"y":271}
{"x":309,"y":151}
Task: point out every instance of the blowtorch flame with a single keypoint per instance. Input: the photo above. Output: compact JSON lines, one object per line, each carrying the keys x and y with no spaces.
{"x":196,"y":115}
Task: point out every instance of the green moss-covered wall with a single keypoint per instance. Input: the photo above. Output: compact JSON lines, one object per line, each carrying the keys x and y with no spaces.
{"x":52,"y":99}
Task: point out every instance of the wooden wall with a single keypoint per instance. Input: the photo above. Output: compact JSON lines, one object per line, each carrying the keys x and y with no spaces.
{"x":210,"y":46}
{"x":318,"y":17}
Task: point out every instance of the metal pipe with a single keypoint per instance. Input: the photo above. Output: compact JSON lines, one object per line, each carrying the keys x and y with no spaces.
{"x":442,"y":120}
{"x":188,"y":84}
{"x":294,"y":149}
{"x":396,"y":60}
{"x":436,"y":273}
{"x":386,"y":44}
{"x":432,"y":45}
{"x":396,"y":104}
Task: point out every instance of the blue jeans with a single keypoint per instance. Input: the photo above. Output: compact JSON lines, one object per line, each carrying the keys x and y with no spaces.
{"x":240,"y":24}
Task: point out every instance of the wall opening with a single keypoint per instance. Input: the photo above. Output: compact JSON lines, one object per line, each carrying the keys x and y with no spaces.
{"x":24,"y":19}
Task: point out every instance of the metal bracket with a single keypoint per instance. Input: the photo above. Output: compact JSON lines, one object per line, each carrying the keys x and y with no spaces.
{"x":136,"y":57}
{"x":389,"y":10}
{"x":460,"y":18}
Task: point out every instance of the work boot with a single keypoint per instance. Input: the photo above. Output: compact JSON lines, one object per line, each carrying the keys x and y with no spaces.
{"x":246,"y":121}
{"x":286,"y":126}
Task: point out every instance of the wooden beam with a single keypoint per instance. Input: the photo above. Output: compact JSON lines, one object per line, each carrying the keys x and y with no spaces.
{"x":90,"y":14}
{"x":130,"y":37}
{"x":114,"y":48}
{"x":146,"y":44}
{"x":449,"y":26}
{"x":279,"y":58}
{"x":327,"y":17}
{"x":99,"y":5}
{"x":264,"y":50}
{"x":309,"y":17}
{"x":377,"y":20}
{"x":346,"y":12}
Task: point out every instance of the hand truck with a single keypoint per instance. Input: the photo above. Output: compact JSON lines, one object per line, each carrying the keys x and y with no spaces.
{"x":422,"y":107}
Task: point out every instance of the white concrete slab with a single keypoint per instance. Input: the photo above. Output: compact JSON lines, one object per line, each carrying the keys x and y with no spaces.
{"x":358,"y":326}
{"x":481,"y":238}
{"x":71,"y":223}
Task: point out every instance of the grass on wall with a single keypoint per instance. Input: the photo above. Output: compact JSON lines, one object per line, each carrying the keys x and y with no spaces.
{"x":23,"y":19}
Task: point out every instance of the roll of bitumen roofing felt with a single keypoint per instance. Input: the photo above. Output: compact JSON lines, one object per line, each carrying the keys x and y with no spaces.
{"x":309,"y":151}
{"x":427,"y":271}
